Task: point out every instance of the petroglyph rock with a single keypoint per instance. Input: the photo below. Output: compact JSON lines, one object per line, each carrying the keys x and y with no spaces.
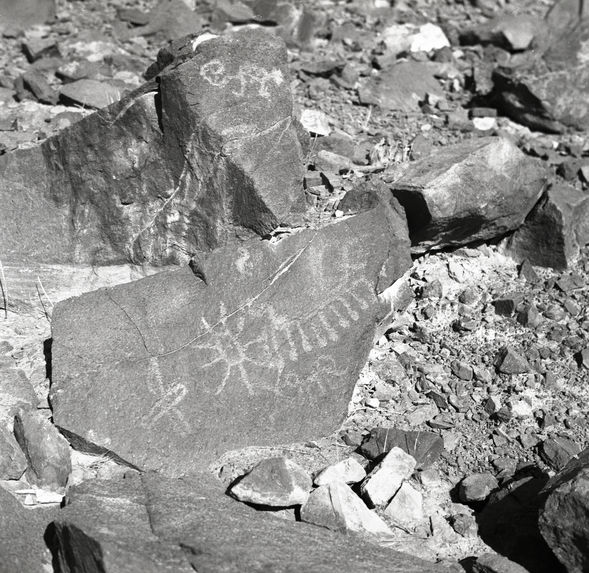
{"x":469,"y":191}
{"x":170,"y":170}
{"x":259,"y":345}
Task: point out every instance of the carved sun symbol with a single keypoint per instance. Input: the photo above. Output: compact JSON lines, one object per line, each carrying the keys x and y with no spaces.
{"x":236,"y":355}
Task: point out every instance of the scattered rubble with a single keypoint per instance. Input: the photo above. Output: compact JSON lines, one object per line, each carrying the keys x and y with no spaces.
{"x":289,"y":157}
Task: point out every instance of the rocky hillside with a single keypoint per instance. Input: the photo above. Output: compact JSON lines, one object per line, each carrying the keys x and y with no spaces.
{"x":294,"y":286}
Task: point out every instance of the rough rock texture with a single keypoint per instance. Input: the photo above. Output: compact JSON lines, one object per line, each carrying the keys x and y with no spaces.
{"x":555,"y":230}
{"x":401,"y":87}
{"x":509,"y":524}
{"x":469,"y":191}
{"x":105,"y":527}
{"x":346,"y":471}
{"x":550,"y":94}
{"x":337,"y":507}
{"x":21,"y":14}
{"x":12,"y":460}
{"x":16,"y":392}
{"x":126,"y":526}
{"x":477,"y":487}
{"x":425,"y":447}
{"x":493,"y":563}
{"x":564,"y":517}
{"x":167,"y":171}
{"x":261,"y":344}
{"x":383,"y":482}
{"x":21,"y":537}
{"x":46,"y":450}
{"x":275,"y":482}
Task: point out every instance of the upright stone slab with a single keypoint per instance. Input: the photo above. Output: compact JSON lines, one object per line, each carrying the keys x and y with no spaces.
{"x":470,"y":191}
{"x":555,"y":230}
{"x":175,"y":168}
{"x":259,"y":345}
{"x":228,"y":124}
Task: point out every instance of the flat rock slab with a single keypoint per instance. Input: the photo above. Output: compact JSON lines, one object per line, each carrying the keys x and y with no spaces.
{"x":466,"y":192}
{"x":401,"y":88}
{"x":260,"y":345}
{"x":172,"y":169}
{"x":90,"y":93}
{"x":159,"y":524}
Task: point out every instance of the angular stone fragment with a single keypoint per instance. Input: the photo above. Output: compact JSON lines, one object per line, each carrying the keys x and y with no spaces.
{"x":21,"y":537}
{"x":337,"y":507}
{"x":477,"y":487}
{"x":346,"y":471}
{"x":509,"y":361}
{"x":564,"y":516}
{"x":16,"y":392}
{"x":425,"y":447}
{"x":12,"y":461}
{"x":259,"y":345}
{"x":47,"y":452}
{"x":557,"y":451}
{"x":384,"y":481}
{"x":275,"y":482}
{"x":90,"y":93}
{"x":406,"y":507}
{"x":555,"y":230}
{"x":114,"y":187}
{"x":468,"y":191}
{"x":402,"y":87}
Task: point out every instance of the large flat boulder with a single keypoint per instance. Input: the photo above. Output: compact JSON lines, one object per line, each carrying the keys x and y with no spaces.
{"x":157,"y":524}
{"x":175,"y":168}
{"x":256,"y":345}
{"x":466,"y":192}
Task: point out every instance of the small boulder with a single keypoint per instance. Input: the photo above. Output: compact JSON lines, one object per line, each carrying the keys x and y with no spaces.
{"x":406,"y":507}
{"x":46,"y":450}
{"x":275,"y":482}
{"x":337,"y":507}
{"x":424,"y":447}
{"x":555,"y":230}
{"x":477,"y":487}
{"x":564,"y":517}
{"x":470,"y":191}
{"x":12,"y":460}
{"x":494,"y":563}
{"x":508,"y":361}
{"x":385,"y":480}
{"x":346,"y":471}
{"x":556,"y":452}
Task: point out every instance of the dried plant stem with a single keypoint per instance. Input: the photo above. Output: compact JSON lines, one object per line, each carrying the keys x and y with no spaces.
{"x":4,"y":290}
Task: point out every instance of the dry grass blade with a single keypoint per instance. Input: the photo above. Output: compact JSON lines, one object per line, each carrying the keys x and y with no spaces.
{"x":43,"y":291}
{"x":4,"y":290}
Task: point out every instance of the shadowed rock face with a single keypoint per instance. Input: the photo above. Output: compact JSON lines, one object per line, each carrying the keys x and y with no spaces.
{"x":467,"y":192}
{"x":262,"y":344}
{"x":180,"y":525}
{"x":174,"y":169}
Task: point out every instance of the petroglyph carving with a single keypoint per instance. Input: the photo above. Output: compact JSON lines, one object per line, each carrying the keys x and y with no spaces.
{"x":233,"y":360}
{"x":168,"y":397}
{"x":248,"y":77}
{"x":324,"y":371}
